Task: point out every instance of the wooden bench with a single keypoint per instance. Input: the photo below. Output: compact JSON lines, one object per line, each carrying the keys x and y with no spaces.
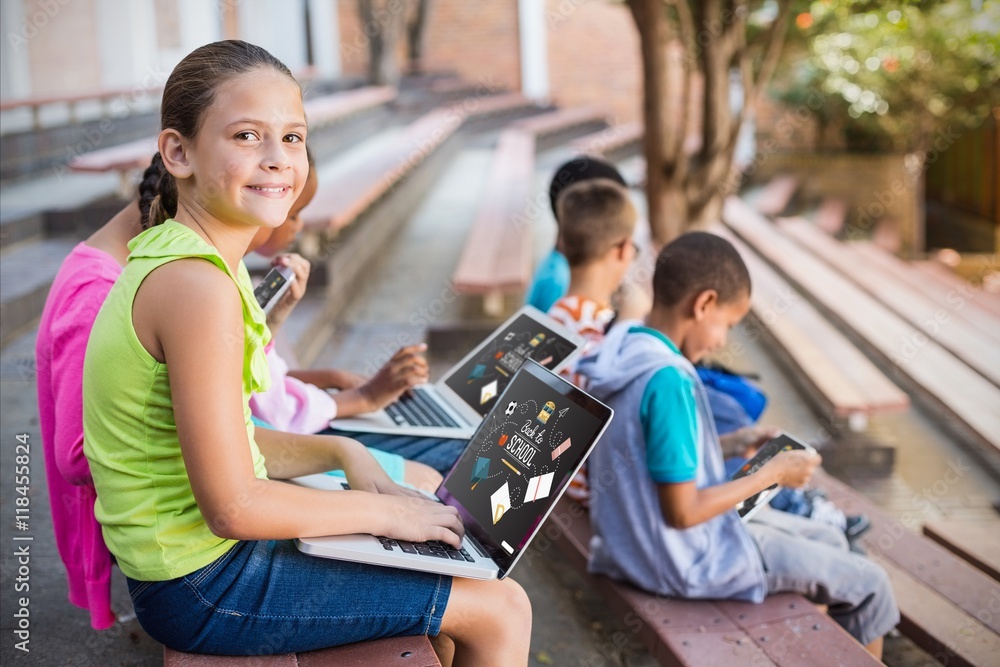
{"x":394,"y":652}
{"x":965,"y":398}
{"x":945,"y":275}
{"x":975,"y":542}
{"x":496,"y":256}
{"x":940,"y":319}
{"x":973,"y":304}
{"x":784,"y":630}
{"x":948,"y":607}
{"x":841,"y":382}
{"x":613,"y":142}
{"x":776,"y":195}
{"x":135,"y":155}
{"x":554,"y":127}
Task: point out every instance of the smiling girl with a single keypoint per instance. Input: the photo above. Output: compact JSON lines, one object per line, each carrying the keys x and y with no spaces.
{"x":183,"y":495}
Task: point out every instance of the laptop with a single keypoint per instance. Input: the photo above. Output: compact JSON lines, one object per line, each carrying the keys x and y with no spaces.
{"x":453,"y":406}
{"x":784,"y":442}
{"x":517,"y":465}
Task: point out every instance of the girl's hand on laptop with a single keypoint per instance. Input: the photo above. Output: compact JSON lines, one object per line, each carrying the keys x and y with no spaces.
{"x":418,"y":520}
{"x":793,"y":469}
{"x":407,"y":369}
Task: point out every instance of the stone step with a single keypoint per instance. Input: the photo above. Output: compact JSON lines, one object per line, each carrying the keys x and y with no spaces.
{"x":17,"y":229}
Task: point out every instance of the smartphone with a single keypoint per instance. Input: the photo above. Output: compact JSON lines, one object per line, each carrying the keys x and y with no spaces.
{"x":273,"y":287}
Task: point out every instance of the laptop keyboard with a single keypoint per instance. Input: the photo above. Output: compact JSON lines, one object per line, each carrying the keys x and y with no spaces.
{"x":432,"y":549}
{"x":417,"y":408}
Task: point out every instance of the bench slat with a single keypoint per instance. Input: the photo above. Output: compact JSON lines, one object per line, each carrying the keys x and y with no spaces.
{"x":972,"y":304}
{"x":955,"y":334}
{"x":556,"y":121}
{"x":831,"y":215}
{"x":971,"y":398}
{"x":391,"y":652}
{"x":496,"y":254}
{"x":977,"y":543}
{"x":838,"y":375}
{"x":785,"y":629}
{"x":611,"y":139}
{"x":940,"y":272}
{"x":945,"y":602}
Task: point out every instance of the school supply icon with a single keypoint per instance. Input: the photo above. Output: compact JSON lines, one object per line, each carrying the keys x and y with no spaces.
{"x":510,"y":408}
{"x":487,"y":392}
{"x":503,"y":440}
{"x":500,"y":500}
{"x":546,"y":412}
{"x":477,"y":372}
{"x":539,"y":487}
{"x":480,"y":470}
{"x":561,"y":449}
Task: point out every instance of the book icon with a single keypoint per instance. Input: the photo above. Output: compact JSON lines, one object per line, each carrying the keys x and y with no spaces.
{"x":500,"y":501}
{"x":539,"y":487}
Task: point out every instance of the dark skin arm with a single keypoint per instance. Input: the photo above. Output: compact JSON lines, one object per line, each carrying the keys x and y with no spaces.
{"x":684,"y":505}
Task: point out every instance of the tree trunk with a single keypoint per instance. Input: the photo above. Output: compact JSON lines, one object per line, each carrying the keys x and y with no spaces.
{"x":666,"y":203}
{"x":416,"y":31}
{"x":382,"y":23}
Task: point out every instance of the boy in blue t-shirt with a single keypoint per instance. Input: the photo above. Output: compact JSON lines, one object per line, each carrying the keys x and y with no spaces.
{"x":661,"y":505}
{"x":551,"y":279}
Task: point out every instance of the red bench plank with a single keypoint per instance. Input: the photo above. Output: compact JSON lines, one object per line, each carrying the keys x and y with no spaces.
{"x":945,"y":602}
{"x":963,"y":393}
{"x":975,"y":542}
{"x":972,"y":303}
{"x":556,"y":121}
{"x":401,"y":651}
{"x":785,"y":629}
{"x":496,"y":255}
{"x":941,"y":320}
{"x":610,"y":139}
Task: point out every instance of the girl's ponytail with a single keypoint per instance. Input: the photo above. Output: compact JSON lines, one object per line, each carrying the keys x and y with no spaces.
{"x":157,"y":194}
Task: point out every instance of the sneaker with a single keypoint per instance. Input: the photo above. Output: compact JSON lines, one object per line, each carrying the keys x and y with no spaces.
{"x":857,"y":525}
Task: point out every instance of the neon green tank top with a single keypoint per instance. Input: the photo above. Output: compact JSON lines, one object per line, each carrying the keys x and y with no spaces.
{"x":145,"y":505}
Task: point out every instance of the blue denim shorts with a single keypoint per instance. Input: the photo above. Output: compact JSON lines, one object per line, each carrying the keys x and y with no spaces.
{"x":267,"y":597}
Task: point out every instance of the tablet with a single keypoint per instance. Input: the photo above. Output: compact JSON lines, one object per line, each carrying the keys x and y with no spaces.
{"x":765,"y":453}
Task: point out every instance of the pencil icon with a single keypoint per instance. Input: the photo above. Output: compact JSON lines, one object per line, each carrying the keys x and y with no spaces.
{"x":510,"y":466}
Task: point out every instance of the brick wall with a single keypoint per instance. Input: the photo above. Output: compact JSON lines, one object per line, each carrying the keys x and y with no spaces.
{"x":477,"y":40}
{"x":68,"y":36}
{"x":594,"y":57}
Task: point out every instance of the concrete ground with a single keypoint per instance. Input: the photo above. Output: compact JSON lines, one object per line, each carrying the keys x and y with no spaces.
{"x":411,"y":292}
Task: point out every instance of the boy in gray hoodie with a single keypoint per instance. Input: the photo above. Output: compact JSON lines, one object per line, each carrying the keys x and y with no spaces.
{"x":661,"y":506}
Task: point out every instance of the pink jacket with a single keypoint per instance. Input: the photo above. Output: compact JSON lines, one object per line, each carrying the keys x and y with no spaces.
{"x":79,"y":290}
{"x":292,"y":405}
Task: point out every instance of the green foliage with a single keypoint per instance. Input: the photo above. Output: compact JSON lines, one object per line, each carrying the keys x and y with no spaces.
{"x":894,"y":73}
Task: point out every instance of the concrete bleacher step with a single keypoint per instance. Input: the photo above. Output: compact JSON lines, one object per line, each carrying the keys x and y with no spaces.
{"x":26,"y":273}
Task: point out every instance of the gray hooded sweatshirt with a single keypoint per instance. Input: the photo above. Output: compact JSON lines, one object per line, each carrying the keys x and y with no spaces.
{"x":716,"y":559}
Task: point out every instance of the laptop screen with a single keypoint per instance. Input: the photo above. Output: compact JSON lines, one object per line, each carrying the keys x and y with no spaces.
{"x":485,"y":374}
{"x":520,"y":458}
